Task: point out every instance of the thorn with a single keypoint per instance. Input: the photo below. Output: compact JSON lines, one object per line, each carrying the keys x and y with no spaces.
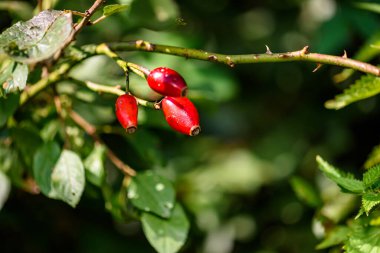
{"x":230,"y":62}
{"x":268,"y":50}
{"x":212,"y":58}
{"x":305,"y":50}
{"x":317,"y":68}
{"x":139,"y":43}
{"x":144,"y":44}
{"x":345,"y":54}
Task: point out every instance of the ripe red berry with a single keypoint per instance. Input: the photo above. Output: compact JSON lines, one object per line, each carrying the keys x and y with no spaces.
{"x":167,"y":82}
{"x":181,"y":115}
{"x":126,"y":112}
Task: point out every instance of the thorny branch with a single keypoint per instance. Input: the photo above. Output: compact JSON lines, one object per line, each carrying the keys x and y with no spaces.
{"x":231,"y":60}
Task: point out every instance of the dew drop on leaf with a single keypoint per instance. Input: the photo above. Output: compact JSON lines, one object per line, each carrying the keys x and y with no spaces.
{"x":159,"y":187}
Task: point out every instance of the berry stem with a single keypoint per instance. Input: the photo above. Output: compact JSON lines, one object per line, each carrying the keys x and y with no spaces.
{"x":115,"y":90}
{"x":231,"y":60}
{"x":105,"y":50}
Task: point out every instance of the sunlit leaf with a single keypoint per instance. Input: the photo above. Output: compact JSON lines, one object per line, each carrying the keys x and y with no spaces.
{"x":68,"y":178}
{"x":13,"y":76}
{"x":166,"y":235}
{"x":152,"y":193}
{"x":5,"y":188}
{"x":363,"y":237}
{"x":345,"y":181}
{"x":371,"y":178}
{"x":373,"y":158}
{"x":114,"y":8}
{"x":365,"y":87}
{"x":375,"y":7}
{"x":335,"y":237}
{"x":38,"y":38}
{"x":369,"y":201}
{"x":17,"y":79}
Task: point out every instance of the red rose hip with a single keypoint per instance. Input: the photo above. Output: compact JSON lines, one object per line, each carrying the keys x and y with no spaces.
{"x":181,"y":115}
{"x":126,"y":112}
{"x":167,"y":82}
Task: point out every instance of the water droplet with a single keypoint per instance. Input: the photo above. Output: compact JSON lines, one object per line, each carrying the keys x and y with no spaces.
{"x":132,"y":194}
{"x":169,"y":205}
{"x":160,"y":187}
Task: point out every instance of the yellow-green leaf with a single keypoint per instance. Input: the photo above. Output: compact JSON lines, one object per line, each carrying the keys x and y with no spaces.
{"x":365,"y":87}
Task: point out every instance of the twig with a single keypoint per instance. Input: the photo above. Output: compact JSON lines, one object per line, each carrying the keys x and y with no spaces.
{"x":115,"y":90}
{"x":139,"y":70}
{"x":43,"y":83}
{"x":96,"y":5}
{"x":91,"y":130}
{"x":40,"y":5}
{"x":232,"y":60}
{"x":79,"y":26}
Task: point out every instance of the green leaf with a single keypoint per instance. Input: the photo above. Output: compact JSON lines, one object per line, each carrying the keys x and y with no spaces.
{"x":147,"y":146}
{"x":335,"y":237}
{"x":371,"y":179}
{"x":6,"y":69}
{"x":27,"y":141}
{"x":38,"y":38}
{"x":68,"y":178}
{"x":94,"y":165}
{"x":152,"y":193}
{"x":345,"y":181}
{"x":50,"y":129}
{"x":8,"y":107}
{"x":166,"y":235}
{"x":5,"y":188}
{"x":305,"y":191}
{"x":114,"y":8}
{"x":10,"y":165}
{"x":374,"y":7}
{"x":17,"y":79}
{"x":363,"y":237}
{"x":373,"y":158}
{"x":367,"y":86}
{"x":13,"y":76}
{"x":44,"y":162}
{"x":369,"y":201}
{"x":154,"y":14}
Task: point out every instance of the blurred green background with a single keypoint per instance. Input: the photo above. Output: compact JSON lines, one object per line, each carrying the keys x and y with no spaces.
{"x":262,"y":124}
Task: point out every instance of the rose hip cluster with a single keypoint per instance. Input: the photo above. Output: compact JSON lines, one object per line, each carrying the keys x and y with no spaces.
{"x":179,"y":111}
